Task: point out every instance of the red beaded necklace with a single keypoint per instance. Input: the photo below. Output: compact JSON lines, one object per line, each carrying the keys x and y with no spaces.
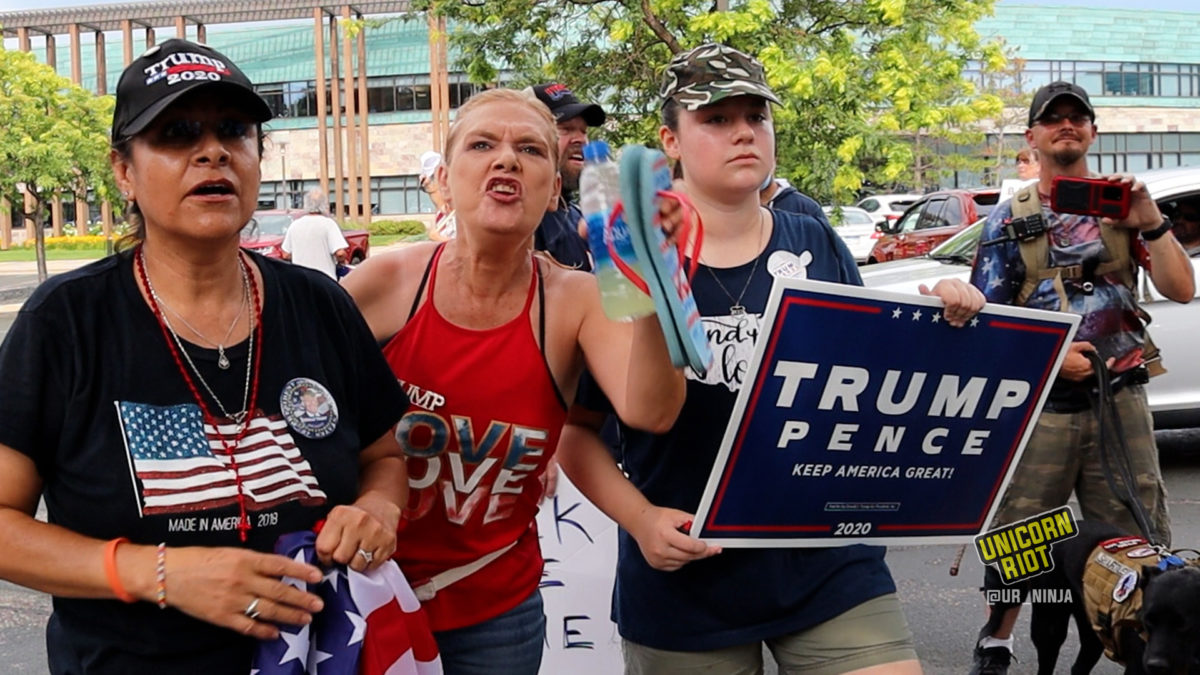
{"x":228,"y":445}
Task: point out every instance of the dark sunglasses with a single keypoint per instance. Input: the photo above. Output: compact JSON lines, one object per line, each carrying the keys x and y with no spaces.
{"x":186,"y":132}
{"x":1077,"y":118}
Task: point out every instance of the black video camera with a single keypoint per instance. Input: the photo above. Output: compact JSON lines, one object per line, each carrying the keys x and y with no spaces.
{"x":1020,"y":229}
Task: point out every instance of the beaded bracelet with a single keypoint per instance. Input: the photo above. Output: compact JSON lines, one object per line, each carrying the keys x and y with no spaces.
{"x":160,"y":571}
{"x":110,"y":570}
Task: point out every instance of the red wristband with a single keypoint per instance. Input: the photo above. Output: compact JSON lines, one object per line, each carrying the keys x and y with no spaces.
{"x":110,"y":570}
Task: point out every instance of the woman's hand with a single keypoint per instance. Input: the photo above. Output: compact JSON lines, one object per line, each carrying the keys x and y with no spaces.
{"x":361,"y":536}
{"x":663,"y":544}
{"x":549,"y":480}
{"x":962,"y":300}
{"x":670,"y":216}
{"x":244,"y":591}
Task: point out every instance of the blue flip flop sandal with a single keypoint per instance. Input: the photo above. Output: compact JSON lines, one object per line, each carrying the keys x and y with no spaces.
{"x":645,"y":180}
{"x":630,"y":172}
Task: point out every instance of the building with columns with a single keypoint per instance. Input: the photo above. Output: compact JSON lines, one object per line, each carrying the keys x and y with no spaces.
{"x":382,"y":70}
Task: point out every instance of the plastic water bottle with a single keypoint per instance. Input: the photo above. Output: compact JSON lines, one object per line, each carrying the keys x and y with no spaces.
{"x":599,"y":191}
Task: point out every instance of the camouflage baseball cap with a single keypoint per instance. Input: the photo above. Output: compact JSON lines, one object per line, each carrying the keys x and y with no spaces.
{"x":710,"y":73}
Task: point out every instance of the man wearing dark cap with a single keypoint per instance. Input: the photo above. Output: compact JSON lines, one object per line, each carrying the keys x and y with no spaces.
{"x":559,"y":232}
{"x":1036,"y":257}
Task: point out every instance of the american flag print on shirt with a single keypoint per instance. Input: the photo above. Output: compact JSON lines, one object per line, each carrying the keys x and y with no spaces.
{"x":181,"y":464}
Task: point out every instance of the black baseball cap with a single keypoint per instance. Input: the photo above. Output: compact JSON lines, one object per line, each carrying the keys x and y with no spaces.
{"x":165,"y":72}
{"x":563,"y":104}
{"x":1047,"y":95}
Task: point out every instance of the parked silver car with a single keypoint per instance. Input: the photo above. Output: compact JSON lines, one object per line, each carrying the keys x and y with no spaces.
{"x":1175,"y":396}
{"x":887,"y":208}
{"x":856,"y":227}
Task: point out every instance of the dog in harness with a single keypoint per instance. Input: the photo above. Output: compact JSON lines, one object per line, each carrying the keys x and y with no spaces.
{"x":1135,"y":603}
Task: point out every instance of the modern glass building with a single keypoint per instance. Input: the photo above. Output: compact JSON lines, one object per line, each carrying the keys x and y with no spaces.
{"x":1142,"y":69}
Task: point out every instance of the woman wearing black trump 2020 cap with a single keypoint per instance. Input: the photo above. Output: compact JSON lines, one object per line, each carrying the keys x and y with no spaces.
{"x":183,"y":403}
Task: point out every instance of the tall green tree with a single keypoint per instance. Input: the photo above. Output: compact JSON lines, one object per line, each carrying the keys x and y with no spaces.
{"x":54,"y":139}
{"x":869,"y":87}
{"x":1005,"y":136}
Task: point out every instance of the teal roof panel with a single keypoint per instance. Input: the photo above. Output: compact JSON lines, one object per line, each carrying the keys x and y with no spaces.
{"x":1078,"y":33}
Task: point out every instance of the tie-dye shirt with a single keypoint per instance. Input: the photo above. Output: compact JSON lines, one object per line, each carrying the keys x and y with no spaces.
{"x":1110,"y":318}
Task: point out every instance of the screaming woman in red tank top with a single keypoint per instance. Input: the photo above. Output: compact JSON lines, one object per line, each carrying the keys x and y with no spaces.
{"x":484,"y":420}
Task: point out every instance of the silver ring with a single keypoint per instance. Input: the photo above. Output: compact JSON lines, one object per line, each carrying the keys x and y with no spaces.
{"x":367,"y":555}
{"x":252,"y":609}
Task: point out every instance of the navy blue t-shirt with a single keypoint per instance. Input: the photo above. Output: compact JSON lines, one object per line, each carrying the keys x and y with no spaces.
{"x":741,"y":595}
{"x":558,"y":235}
{"x":794,"y":201}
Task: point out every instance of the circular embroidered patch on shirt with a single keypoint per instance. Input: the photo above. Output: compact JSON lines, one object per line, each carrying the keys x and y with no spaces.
{"x":309,"y":408}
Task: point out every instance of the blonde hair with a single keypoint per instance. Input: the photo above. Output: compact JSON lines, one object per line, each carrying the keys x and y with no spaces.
{"x":489,"y":96}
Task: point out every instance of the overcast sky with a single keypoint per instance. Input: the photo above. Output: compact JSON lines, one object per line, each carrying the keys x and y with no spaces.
{"x":1178,"y":5}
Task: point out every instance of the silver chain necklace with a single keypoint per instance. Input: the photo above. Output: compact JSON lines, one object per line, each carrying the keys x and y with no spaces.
{"x":737,"y":309}
{"x":222,"y":360}
{"x":240,"y":415}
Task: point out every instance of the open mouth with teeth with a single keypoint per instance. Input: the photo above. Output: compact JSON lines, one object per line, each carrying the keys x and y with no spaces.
{"x":503,"y":188}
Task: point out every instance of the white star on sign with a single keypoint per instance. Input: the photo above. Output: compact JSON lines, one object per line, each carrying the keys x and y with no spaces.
{"x":896,"y":313}
{"x":360,"y":628}
{"x":297,"y":646}
{"x":917,"y":315}
{"x":974,"y":322}
{"x":937,"y":317}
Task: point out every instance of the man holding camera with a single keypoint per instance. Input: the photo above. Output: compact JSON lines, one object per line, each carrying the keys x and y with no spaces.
{"x":1033,"y":254}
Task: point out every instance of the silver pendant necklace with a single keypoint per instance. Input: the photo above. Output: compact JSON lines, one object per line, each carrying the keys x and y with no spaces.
{"x":222,"y":359}
{"x":237,"y":417}
{"x":737,"y":308}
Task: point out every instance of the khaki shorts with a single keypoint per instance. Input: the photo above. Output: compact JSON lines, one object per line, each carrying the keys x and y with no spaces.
{"x":871,"y":634}
{"x":1063,"y":455}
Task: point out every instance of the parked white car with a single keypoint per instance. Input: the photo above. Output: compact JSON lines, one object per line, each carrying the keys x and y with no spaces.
{"x":887,"y":207}
{"x":856,"y":227}
{"x":1175,"y":396}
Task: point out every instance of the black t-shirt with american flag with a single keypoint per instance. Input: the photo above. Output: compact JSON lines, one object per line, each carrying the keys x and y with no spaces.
{"x":90,"y":392}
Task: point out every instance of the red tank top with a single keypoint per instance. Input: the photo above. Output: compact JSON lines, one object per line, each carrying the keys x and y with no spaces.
{"x":484,"y":419}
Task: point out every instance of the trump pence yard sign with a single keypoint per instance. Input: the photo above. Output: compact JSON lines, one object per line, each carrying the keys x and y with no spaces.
{"x":870,"y":419}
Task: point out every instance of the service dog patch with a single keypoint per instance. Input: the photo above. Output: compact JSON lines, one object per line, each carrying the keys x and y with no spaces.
{"x":309,"y":408}
{"x":1114,"y":545}
{"x":1125,"y":586}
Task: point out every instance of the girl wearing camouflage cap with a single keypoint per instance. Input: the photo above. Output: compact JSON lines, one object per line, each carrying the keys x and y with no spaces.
{"x":680,"y":605}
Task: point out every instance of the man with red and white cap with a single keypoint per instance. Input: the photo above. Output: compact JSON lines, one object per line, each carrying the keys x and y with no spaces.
{"x":559,"y":232}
